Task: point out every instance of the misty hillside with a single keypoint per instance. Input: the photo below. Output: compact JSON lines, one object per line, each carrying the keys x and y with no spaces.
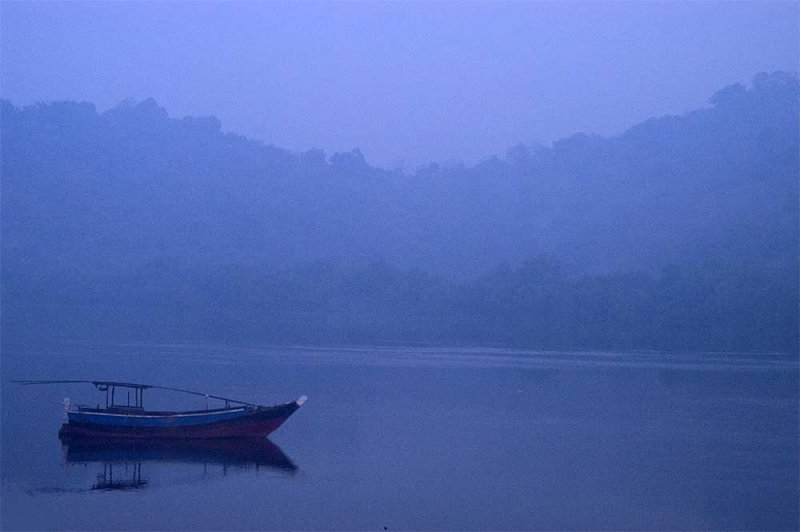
{"x":679,"y":233}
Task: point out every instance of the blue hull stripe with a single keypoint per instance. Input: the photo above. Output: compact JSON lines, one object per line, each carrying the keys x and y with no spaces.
{"x":174,"y":420}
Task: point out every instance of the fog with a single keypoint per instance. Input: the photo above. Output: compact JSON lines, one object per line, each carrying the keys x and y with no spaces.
{"x":680,"y":233}
{"x":542,"y":175}
{"x":406,"y":83}
{"x":534,"y":265}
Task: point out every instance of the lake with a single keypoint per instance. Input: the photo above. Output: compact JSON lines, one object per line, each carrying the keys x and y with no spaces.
{"x":416,"y":438}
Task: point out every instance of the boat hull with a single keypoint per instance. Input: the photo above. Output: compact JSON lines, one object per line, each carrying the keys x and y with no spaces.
{"x":231,"y":423}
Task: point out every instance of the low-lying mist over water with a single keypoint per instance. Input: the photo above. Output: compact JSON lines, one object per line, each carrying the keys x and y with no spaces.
{"x":680,"y":233}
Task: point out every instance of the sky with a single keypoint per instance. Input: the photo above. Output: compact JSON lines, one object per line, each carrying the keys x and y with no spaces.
{"x":407,"y":83}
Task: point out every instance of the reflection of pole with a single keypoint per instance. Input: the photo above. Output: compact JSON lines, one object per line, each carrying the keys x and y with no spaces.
{"x":108,"y":472}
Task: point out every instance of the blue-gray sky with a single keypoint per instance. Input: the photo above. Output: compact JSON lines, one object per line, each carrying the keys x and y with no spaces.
{"x":407,"y":83}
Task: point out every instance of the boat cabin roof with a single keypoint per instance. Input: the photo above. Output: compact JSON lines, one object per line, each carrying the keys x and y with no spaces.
{"x":110,"y":386}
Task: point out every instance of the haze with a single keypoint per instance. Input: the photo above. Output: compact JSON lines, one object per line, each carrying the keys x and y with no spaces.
{"x":535,"y":265}
{"x":406,"y":83}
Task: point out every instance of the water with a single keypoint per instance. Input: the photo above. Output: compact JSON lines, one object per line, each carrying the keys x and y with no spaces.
{"x":418,"y":438}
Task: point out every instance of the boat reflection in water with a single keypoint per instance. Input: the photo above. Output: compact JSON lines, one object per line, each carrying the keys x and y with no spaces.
{"x":121,"y":461}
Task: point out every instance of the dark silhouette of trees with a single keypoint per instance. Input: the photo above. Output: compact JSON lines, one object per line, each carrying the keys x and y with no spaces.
{"x":680,"y":233}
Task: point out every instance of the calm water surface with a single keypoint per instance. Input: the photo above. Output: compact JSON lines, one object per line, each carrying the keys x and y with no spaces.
{"x":417,"y":438}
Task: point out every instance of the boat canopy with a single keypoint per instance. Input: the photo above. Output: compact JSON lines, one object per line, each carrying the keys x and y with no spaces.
{"x":110,"y":387}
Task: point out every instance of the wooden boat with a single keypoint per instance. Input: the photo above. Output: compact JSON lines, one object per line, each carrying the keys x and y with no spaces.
{"x":130,"y":420}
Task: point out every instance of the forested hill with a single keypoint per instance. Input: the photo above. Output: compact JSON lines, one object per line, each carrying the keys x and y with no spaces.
{"x":681,"y":232}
